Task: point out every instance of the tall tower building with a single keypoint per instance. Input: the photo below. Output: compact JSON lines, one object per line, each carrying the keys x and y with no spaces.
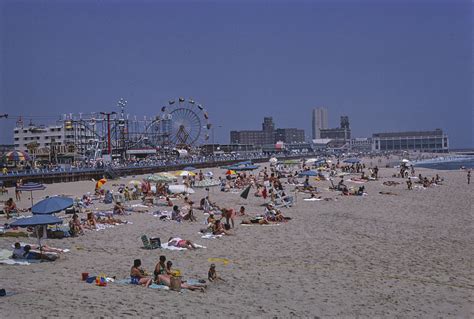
{"x":319,"y":121}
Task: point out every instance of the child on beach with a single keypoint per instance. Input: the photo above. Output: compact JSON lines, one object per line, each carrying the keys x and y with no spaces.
{"x":212,"y":274}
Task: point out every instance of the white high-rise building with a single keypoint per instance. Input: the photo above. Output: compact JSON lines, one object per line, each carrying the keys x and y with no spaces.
{"x":320,"y":121}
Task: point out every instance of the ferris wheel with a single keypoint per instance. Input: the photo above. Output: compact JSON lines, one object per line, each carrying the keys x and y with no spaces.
{"x":186,"y":123}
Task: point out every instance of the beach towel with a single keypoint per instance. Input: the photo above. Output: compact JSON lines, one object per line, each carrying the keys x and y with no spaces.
{"x":259,"y":224}
{"x":166,"y":246}
{"x":211,"y":236}
{"x":312,"y":199}
{"x":22,"y":244}
{"x":6,"y":260}
{"x":127,"y":281}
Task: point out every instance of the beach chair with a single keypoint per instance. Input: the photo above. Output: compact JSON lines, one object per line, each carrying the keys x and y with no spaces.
{"x":150,"y":244}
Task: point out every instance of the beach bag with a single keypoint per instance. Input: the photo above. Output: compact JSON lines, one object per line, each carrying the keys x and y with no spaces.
{"x":175,"y":283}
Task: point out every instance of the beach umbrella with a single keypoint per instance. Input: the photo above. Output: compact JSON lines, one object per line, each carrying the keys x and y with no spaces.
{"x":273,"y":160}
{"x":16,"y":156}
{"x":246,"y":192}
{"x":37,"y":220}
{"x":230,"y":172}
{"x":159,"y":179}
{"x":180,"y":189}
{"x":352,"y":160}
{"x":134,"y":182}
{"x":52,"y":205}
{"x":209,"y":174}
{"x":405,"y":160}
{"x":207,"y":183}
{"x":101,"y":182}
{"x":185,"y":173}
{"x":31,"y":187}
{"x":309,"y":173}
{"x":167,"y":175}
{"x":189,"y":168}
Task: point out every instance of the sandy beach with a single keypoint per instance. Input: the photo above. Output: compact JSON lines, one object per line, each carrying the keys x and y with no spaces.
{"x":373,"y":256}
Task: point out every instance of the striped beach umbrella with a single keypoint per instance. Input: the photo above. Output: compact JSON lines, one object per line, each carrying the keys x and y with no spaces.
{"x":31,"y":187}
{"x":16,"y":156}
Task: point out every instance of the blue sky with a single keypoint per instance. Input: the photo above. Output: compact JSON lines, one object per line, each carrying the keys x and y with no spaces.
{"x":388,"y":65}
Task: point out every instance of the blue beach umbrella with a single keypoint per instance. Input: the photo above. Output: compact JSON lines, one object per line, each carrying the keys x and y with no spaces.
{"x":352,"y":160}
{"x":309,"y":173}
{"x":37,"y":220}
{"x":52,"y":205}
{"x":30,"y":187}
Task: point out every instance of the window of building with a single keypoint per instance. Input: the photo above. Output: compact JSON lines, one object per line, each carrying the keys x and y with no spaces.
{"x":16,"y":131}
{"x":16,"y":138}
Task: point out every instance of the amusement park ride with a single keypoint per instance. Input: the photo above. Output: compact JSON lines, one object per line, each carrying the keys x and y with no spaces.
{"x":181,"y":126}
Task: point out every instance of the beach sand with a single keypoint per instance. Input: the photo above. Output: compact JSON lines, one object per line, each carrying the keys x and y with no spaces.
{"x":356,"y":256}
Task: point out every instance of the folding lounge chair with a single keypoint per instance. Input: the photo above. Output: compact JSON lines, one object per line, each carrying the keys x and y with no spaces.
{"x":147,"y":244}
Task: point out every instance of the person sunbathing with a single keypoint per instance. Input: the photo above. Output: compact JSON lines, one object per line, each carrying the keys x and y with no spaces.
{"x":28,"y":254}
{"x":273,"y":215}
{"x":165,"y":279}
{"x":10,"y":207}
{"x":75,"y":226}
{"x":160,"y":269}
{"x":190,"y":214}
{"x":138,"y":275}
{"x":110,"y":220}
{"x":212,"y":274}
{"x":176,"y":214}
{"x":118,"y":209}
{"x":91,"y":222}
{"x":181,"y":243}
{"x":242,"y":211}
{"x":257,"y":220}
{"x":219,"y":229}
{"x":18,"y":251}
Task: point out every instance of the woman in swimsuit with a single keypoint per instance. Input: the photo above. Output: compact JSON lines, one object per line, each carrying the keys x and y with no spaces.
{"x":165,"y":279}
{"x":181,"y":243}
{"x":160,"y":269}
{"x":137,"y":274}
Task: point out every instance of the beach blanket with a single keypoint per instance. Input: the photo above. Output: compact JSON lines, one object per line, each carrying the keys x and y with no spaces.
{"x":312,"y":199}
{"x":127,"y":281}
{"x":6,"y":260}
{"x":211,"y":236}
{"x":22,"y":244}
{"x":162,"y":214}
{"x":260,"y":225}
{"x":169,"y":247}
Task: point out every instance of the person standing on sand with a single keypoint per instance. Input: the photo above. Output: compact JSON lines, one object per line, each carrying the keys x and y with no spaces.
{"x":468,"y":177}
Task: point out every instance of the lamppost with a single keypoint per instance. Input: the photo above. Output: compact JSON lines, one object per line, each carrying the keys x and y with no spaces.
{"x":109,"y":145}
